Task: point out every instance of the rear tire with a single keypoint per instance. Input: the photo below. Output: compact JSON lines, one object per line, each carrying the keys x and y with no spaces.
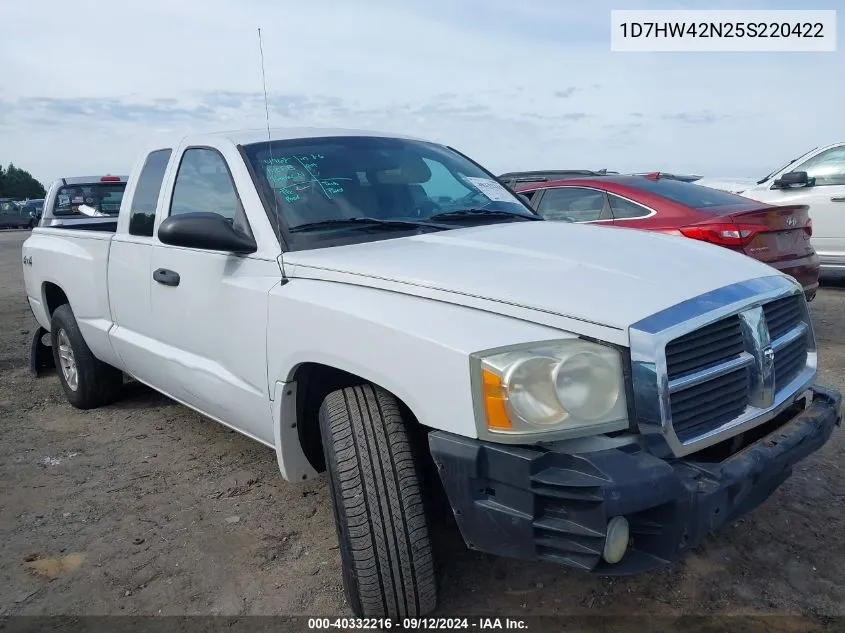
{"x":88,"y":382}
{"x":385,"y":548}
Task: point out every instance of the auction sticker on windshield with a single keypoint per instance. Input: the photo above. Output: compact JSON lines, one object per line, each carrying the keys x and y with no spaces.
{"x":491,"y":189}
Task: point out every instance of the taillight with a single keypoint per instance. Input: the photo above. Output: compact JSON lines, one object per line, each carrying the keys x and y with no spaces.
{"x":808,"y":227}
{"x":110,"y":179}
{"x":724,"y":234}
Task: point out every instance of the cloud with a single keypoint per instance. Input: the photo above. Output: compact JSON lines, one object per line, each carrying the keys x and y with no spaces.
{"x":516,"y":86}
{"x":106,"y":109}
{"x":696,"y":117}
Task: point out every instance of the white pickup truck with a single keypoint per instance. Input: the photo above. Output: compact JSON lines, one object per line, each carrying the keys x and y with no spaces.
{"x":371,"y":304}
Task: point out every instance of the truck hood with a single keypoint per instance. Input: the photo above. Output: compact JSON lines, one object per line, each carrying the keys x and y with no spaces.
{"x":603,"y":275}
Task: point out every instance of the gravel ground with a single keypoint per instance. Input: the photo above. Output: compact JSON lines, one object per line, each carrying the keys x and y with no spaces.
{"x":145,"y":507}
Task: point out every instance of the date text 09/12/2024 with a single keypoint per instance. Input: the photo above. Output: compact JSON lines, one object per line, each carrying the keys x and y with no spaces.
{"x":416,"y":624}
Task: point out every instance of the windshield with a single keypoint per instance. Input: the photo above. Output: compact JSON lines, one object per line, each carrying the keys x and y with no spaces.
{"x":782,"y":167}
{"x":689,"y":194}
{"x":324,"y":181}
{"x":104,"y":198}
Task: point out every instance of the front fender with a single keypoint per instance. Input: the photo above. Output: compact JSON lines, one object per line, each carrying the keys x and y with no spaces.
{"x":416,"y":348}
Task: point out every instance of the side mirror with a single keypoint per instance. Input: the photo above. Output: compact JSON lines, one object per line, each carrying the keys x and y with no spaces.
{"x":790,"y":179}
{"x":32,"y":214}
{"x":206,"y":231}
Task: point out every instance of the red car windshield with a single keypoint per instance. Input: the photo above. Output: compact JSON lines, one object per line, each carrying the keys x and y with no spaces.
{"x":690,"y":195}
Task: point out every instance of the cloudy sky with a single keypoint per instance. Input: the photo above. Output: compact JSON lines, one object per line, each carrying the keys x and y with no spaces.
{"x":85,"y":85}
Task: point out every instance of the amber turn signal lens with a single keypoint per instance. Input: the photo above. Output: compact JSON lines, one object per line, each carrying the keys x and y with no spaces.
{"x":494,"y":401}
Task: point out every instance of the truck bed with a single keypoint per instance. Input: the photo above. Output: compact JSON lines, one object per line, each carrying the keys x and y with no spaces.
{"x":72,"y":261}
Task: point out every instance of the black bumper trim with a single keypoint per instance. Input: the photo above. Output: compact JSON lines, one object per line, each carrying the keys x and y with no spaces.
{"x":532,"y":503}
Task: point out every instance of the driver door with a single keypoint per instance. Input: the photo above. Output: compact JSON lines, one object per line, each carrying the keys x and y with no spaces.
{"x":210,"y":307}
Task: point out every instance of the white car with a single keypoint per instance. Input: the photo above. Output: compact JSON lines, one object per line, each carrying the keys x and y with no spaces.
{"x":371,"y":305}
{"x":816,"y":179}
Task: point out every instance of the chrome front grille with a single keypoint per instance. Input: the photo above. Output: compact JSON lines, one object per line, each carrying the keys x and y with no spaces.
{"x":782,"y":315}
{"x":790,"y":359}
{"x":710,"y":404}
{"x":707,"y":346}
{"x":707,"y":369}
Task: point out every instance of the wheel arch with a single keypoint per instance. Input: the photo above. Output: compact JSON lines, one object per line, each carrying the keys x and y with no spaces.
{"x":53,"y":296}
{"x":297,"y":415}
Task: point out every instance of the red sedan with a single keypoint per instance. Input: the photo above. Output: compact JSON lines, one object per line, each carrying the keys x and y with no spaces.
{"x":776,"y":235}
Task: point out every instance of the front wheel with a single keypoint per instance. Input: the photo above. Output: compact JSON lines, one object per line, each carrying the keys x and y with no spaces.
{"x":385,"y":548}
{"x":87,"y":381}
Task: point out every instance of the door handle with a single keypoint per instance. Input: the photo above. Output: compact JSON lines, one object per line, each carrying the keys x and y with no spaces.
{"x":838,"y":199}
{"x":166,"y":277}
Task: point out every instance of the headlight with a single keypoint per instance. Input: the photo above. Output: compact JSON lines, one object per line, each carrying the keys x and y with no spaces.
{"x":552,"y":390}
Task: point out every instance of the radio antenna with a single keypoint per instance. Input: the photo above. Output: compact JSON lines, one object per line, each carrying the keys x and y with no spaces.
{"x":264,"y":86}
{"x":273,"y":192}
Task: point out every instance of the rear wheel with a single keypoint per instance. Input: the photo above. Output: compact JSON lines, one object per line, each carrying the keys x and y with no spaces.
{"x":87,"y":381}
{"x":388,"y":569}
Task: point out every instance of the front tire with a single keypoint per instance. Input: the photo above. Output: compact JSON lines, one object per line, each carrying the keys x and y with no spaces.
{"x":388,"y":568}
{"x":88,"y":382}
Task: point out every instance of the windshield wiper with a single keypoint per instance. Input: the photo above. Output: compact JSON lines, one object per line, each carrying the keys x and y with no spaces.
{"x":764,"y":179}
{"x":362,"y":221}
{"x":465,"y":213}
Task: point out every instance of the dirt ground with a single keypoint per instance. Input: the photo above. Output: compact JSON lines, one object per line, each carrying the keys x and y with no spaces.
{"x":145,"y":507}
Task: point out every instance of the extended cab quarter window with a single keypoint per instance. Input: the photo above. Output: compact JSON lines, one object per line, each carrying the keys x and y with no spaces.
{"x":145,"y":199}
{"x":828,"y":168}
{"x":204,"y":185}
{"x":573,"y":204}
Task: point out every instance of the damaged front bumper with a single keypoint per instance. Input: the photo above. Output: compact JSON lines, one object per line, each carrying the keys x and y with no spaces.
{"x":534,"y":503}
